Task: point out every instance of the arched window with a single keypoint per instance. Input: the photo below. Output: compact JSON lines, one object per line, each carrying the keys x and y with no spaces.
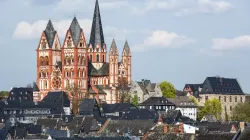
{"x":66,"y":72}
{"x":46,"y":60}
{"x":103,"y":58}
{"x":79,"y":72}
{"x":41,"y":61}
{"x":90,"y":57}
{"x":68,"y":61}
{"x":97,"y":58}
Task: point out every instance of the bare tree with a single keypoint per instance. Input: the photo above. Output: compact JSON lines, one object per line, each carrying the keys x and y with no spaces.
{"x":76,"y":96}
{"x":125,"y":97}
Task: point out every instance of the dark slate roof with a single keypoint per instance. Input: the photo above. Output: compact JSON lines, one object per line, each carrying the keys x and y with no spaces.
{"x":3,"y":134}
{"x":59,"y":97}
{"x":89,"y":107}
{"x":95,"y":138}
{"x":217,"y":126}
{"x":171,"y":136}
{"x":50,"y":33}
{"x":245,"y":134}
{"x":35,"y":87}
{"x":21,"y":94}
{"x":194,"y":87}
{"x":157,"y":101}
{"x":209,"y":118}
{"x":34,"y":129}
{"x":36,"y":137}
{"x":76,"y":125}
{"x":47,"y":123}
{"x":56,"y":133}
{"x":182,"y":101}
{"x":181,"y":93}
{"x":103,"y":71}
{"x":99,"y":88}
{"x":142,"y":114}
{"x":75,"y":31}
{"x":220,"y":85}
{"x":96,"y":36}
{"x":132,"y":126}
{"x":126,"y":49}
{"x":215,"y":136}
{"x":171,"y":116}
{"x":117,"y":107}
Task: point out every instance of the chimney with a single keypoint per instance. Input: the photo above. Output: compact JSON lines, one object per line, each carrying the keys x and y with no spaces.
{"x":242,"y":126}
{"x":160,"y":120}
{"x":165,"y":128}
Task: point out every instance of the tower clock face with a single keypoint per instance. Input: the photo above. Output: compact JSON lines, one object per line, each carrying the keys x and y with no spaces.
{"x":56,"y":82}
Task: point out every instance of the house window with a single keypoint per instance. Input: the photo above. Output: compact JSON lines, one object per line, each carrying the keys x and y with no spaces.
{"x":156,"y":107}
{"x":241,"y":99}
{"x":235,"y":98}
{"x":103,"y":58}
{"x":219,"y":98}
{"x":230,"y":108}
{"x":230,"y":98}
{"x":199,"y":99}
{"x":206,"y":98}
{"x":225,"y":99}
{"x":164,"y":107}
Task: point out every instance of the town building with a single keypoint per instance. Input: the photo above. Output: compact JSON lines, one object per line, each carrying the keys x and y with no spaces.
{"x":145,"y":89}
{"x":227,"y":90}
{"x":74,"y":62}
{"x":185,"y":105}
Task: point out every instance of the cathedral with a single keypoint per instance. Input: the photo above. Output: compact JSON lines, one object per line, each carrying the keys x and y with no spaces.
{"x":91,"y":66}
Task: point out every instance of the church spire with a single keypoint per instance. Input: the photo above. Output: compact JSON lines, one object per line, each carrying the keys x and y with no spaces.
{"x":126,"y":49}
{"x":96,"y":36}
{"x":50,"y":33}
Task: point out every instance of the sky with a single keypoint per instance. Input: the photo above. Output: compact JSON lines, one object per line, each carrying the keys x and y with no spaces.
{"x":180,"y":41}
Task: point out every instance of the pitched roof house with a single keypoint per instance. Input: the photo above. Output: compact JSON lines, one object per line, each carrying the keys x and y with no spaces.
{"x":145,"y":89}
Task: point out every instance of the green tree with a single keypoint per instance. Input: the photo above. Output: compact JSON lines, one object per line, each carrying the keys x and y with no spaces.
{"x":4,"y":94}
{"x":194,"y":100}
{"x":135,"y":100}
{"x":211,"y":107}
{"x":241,"y":112}
{"x":168,"y":89}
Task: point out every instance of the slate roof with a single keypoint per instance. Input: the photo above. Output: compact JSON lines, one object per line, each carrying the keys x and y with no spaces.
{"x":3,"y":134}
{"x":99,"y":88}
{"x":95,"y":138}
{"x":157,"y":101}
{"x":58,"y":97}
{"x":217,"y":126}
{"x":142,"y":114}
{"x":162,"y":136}
{"x":220,"y":85}
{"x":56,"y":133}
{"x":96,"y":36}
{"x":212,"y":136}
{"x":75,"y":31}
{"x":245,"y":134}
{"x":194,"y":87}
{"x":110,"y":108}
{"x":209,"y":118}
{"x":181,"y":93}
{"x":126,"y":49}
{"x":50,"y":33}
{"x":103,"y":71}
{"x":47,"y":123}
{"x":21,"y":94}
{"x":76,"y":124}
{"x":135,"y":127}
{"x":113,"y":47}
{"x":171,"y":116}
{"x":35,"y":87}
{"x":182,"y":101}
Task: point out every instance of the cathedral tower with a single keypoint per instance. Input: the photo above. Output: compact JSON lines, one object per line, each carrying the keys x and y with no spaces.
{"x":74,"y":58}
{"x":97,"y":47}
{"x":113,"y":64}
{"x":48,"y":56}
{"x":126,"y":61}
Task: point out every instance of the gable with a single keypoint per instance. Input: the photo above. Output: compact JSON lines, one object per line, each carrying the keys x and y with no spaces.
{"x":43,"y":43}
{"x":56,"y":43}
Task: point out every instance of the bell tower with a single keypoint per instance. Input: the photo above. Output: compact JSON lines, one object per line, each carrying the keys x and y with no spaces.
{"x":113,"y":64}
{"x":126,"y":61}
{"x":48,"y":54}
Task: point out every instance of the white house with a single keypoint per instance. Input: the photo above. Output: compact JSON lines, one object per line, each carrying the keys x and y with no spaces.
{"x":185,"y":105}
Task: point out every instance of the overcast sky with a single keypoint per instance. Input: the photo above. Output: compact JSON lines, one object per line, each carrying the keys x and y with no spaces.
{"x":181,"y":41}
